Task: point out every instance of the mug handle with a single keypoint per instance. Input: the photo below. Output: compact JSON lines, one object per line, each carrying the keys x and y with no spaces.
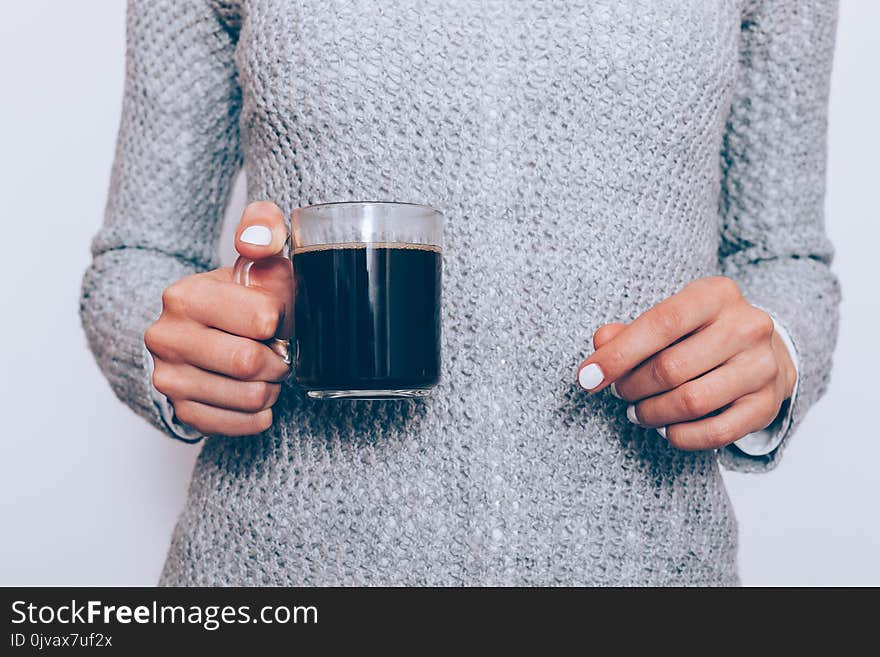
{"x":241,"y":274}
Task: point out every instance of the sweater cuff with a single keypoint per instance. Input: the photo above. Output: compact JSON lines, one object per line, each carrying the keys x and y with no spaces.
{"x":165,"y":409}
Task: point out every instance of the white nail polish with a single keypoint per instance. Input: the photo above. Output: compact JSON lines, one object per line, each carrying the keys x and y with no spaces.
{"x":662,"y":432}
{"x":590,"y":376}
{"x":631,"y":414}
{"x":613,"y":389}
{"x":258,"y":235}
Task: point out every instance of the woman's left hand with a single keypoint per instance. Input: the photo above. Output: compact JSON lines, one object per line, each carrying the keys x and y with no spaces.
{"x":704,"y":364}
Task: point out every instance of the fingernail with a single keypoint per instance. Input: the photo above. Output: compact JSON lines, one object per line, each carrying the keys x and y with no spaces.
{"x":590,"y":376}
{"x":662,"y":432}
{"x":258,"y":235}
{"x":631,"y":414}
{"x":613,"y":388}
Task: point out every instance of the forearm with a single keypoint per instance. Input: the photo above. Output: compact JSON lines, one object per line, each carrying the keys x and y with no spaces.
{"x":177,"y":152}
{"x":773,"y":163}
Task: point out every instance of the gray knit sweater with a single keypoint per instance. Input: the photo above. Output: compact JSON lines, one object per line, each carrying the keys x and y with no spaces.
{"x":591,"y":159}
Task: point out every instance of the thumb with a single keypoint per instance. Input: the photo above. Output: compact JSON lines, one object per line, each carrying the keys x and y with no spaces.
{"x":261,"y":232}
{"x":606,"y":333}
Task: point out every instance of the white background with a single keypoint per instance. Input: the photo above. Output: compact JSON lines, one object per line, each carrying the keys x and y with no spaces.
{"x":89,"y":492}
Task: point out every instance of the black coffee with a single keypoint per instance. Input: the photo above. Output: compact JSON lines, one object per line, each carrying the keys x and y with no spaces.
{"x":367,"y":316}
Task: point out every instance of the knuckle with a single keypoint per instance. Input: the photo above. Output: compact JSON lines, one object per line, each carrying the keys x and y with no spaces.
{"x":773,"y":369}
{"x":766,"y":365}
{"x":151,"y":338}
{"x":754,"y":327}
{"x":666,"y":369}
{"x":162,"y":381}
{"x":157,"y":343}
{"x":667,"y":321}
{"x":758,"y":325}
{"x":256,"y":396}
{"x":694,"y":401}
{"x":723,"y":286}
{"x":185,"y":412}
{"x":599,"y":337}
{"x":763,"y":323}
{"x":174,"y":296}
{"x":676,"y":438}
{"x":746,"y":332}
{"x":265,"y":322}
{"x":273,"y":391}
{"x":769,"y":409}
{"x":246,"y":361}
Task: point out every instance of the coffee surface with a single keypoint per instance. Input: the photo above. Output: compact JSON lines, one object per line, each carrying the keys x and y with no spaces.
{"x":367,"y":316}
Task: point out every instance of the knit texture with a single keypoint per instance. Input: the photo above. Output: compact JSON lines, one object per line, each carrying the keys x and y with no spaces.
{"x":590,"y":158}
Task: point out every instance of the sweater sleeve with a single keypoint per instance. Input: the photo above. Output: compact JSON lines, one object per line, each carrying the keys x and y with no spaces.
{"x":177,"y":151}
{"x":773,"y":185}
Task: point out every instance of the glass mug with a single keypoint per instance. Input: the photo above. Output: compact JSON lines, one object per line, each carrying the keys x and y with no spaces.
{"x":367,"y":294}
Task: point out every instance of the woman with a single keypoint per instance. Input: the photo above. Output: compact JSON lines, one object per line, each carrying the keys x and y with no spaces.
{"x":651,"y":170}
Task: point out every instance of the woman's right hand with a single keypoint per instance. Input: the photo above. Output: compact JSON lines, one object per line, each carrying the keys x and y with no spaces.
{"x":207,"y":345}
